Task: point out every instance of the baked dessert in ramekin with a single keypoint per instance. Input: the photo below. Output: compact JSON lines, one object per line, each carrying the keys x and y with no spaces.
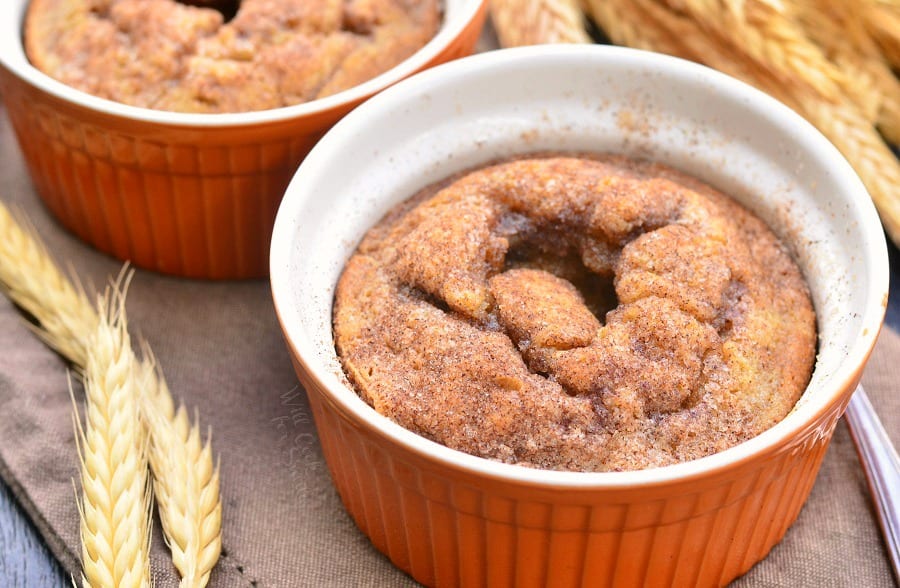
{"x":576,"y":312}
{"x":451,"y":518}
{"x":168,"y":55}
{"x":189,"y":194}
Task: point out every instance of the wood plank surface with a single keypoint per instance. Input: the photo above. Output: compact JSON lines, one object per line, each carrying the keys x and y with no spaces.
{"x":24,"y":561}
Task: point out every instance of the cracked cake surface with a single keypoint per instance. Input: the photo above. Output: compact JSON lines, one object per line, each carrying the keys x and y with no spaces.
{"x":165,"y":55}
{"x":586,"y":313}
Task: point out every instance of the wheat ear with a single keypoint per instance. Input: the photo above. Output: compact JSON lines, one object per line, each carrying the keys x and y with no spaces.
{"x":67,"y":321}
{"x":882,"y":18}
{"x":115,"y":501}
{"x":32,"y":280}
{"x":876,"y":165}
{"x":889,"y":115}
{"x":839,"y":30}
{"x":185,"y":482}
{"x":624,"y":22}
{"x":652,"y":25}
{"x":840,"y":33}
{"x":767,"y":34}
{"x":532,"y":22}
{"x":840,"y":120}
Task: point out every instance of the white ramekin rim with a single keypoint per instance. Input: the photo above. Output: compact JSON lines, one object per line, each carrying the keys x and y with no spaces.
{"x":458,"y":15}
{"x":804,"y":416}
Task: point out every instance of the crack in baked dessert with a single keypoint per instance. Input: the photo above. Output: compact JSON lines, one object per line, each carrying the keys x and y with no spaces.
{"x":168,"y":55}
{"x":587,"y":313}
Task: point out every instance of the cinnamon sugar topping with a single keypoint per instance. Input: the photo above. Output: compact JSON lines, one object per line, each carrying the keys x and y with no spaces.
{"x":576,"y":313}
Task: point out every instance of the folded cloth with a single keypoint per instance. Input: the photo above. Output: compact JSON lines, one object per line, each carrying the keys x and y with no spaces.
{"x":283,"y":524}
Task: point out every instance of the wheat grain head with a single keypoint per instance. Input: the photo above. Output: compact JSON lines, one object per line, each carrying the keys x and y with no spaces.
{"x":841,"y":35}
{"x":532,"y":22}
{"x":627,"y":23}
{"x":882,"y":18}
{"x":663,"y":28}
{"x":185,"y":481}
{"x":655,"y":26}
{"x":839,"y":29}
{"x":31,"y":279}
{"x":115,"y":499}
{"x":766,"y":33}
{"x":98,"y":345}
{"x":864,"y":148}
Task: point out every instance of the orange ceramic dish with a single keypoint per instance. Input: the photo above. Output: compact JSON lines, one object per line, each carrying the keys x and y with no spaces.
{"x":186,"y":194}
{"x":449,"y":518}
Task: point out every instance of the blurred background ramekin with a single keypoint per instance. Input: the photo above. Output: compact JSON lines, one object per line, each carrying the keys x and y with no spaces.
{"x":449,"y":518}
{"x":186,"y":194}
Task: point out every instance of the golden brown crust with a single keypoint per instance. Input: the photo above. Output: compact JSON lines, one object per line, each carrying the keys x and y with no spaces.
{"x":165,"y":55}
{"x":477,"y":317}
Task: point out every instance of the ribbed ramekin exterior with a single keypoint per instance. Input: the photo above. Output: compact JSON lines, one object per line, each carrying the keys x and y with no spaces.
{"x":166,"y":199}
{"x":191,"y":201}
{"x":449,"y":527}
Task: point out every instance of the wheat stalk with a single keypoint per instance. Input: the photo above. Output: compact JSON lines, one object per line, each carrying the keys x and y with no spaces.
{"x":840,"y":34}
{"x":185,"y":482}
{"x":626,"y":24}
{"x":654,"y":26}
{"x":839,"y":30}
{"x":531,"y":22}
{"x":882,"y":19}
{"x":66,"y":322}
{"x":31,"y":279}
{"x":766,"y":34}
{"x":872,"y":159}
{"x":662,"y":28}
{"x":115,"y":501}
{"x":889,"y":115}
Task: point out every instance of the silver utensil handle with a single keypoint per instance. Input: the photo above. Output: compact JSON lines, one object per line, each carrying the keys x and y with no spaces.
{"x":882,"y":468}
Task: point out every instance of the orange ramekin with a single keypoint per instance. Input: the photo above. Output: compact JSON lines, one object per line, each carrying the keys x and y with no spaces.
{"x":186,"y":194}
{"x":449,"y":518}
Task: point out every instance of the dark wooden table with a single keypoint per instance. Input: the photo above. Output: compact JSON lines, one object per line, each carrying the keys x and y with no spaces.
{"x":25,"y":561}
